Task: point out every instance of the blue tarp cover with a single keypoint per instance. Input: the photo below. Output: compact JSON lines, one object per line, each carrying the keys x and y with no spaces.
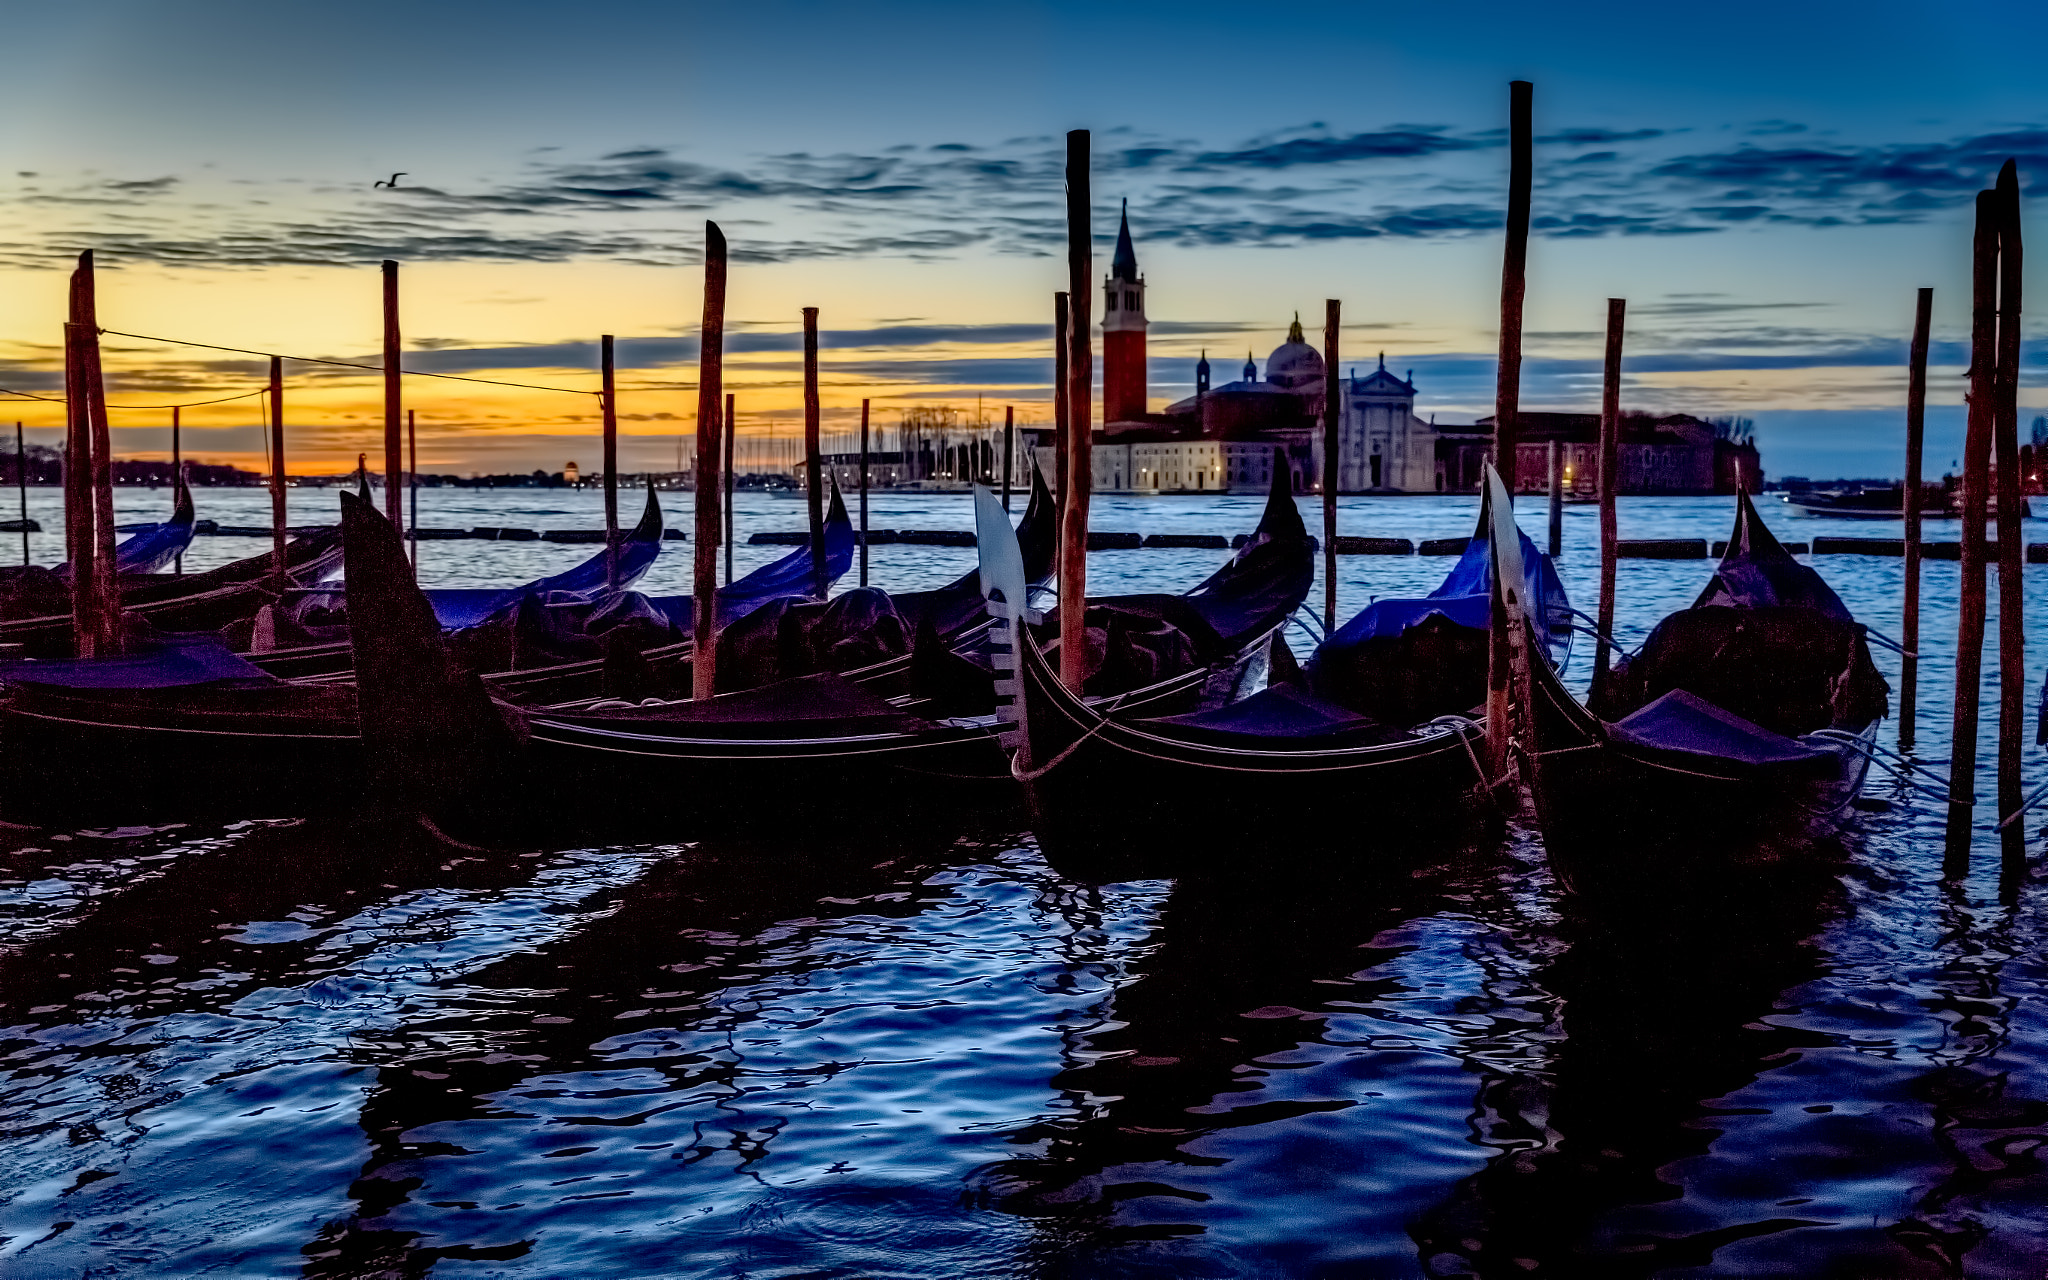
{"x":1462,"y":598}
{"x":1680,"y":722}
{"x":459,"y":607}
{"x":790,"y":576}
{"x":1282,"y":711}
{"x":170,"y":662}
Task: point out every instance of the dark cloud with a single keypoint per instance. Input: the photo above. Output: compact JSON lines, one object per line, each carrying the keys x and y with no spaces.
{"x":1391,"y":144}
{"x":1600,"y":137}
{"x":643,"y":205}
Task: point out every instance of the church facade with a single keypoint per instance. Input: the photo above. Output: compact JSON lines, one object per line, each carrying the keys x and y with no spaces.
{"x":1228,"y":438}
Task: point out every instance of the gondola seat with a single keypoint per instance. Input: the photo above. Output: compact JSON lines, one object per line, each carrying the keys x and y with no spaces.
{"x":1281,"y":717}
{"x":1681,"y":724}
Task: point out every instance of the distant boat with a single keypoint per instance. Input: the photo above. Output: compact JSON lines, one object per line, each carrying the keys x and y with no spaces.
{"x":1881,"y":504}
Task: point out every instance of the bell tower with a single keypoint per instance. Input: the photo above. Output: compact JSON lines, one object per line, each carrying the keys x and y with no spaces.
{"x":1123,"y":332}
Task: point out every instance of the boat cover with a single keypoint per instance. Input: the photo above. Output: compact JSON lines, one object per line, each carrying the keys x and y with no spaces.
{"x":1464,"y":599}
{"x":1277,"y":717}
{"x":1682,"y":723}
{"x":153,"y":546}
{"x":459,"y":607}
{"x":1757,"y":572}
{"x":169,"y":662}
{"x":820,"y":706}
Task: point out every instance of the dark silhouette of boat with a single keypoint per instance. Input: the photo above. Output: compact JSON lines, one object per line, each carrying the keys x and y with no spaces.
{"x":1380,"y":733}
{"x":1739,"y":729}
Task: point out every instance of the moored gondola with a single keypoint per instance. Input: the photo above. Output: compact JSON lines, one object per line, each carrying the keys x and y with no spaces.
{"x":1739,"y":731}
{"x":823,"y":742}
{"x":1374,"y":745}
{"x":307,"y":634}
{"x":781,"y":634}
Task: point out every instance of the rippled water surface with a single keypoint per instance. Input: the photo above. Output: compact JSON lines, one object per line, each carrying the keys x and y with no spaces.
{"x":271,"y":1049}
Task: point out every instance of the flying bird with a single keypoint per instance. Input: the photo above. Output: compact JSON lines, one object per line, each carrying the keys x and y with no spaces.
{"x":394,"y":180}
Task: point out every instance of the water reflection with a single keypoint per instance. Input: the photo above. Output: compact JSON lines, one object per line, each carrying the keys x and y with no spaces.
{"x":1660,"y":1009}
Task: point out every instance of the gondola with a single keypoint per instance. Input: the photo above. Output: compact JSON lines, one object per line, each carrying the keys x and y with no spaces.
{"x":153,"y":546}
{"x":769,"y":630}
{"x":223,"y":597}
{"x":307,"y":635}
{"x":1739,"y":731}
{"x":187,"y":728}
{"x":825,"y":741}
{"x":28,"y":592}
{"x":1376,"y":742}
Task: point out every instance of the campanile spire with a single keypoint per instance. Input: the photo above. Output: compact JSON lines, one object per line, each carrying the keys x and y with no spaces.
{"x":1123,"y":332}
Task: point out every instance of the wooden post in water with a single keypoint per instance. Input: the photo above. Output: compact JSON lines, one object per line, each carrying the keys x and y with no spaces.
{"x":863,"y":492}
{"x":1556,"y":499}
{"x":1009,"y":445}
{"x":277,"y":496}
{"x":98,"y":571}
{"x":21,"y":489}
{"x":78,"y":539}
{"x":710,"y":386}
{"x":1507,"y":396}
{"x":1962,"y":773}
{"x":1610,"y":483}
{"x":2012,"y":596}
{"x":1916,"y":434}
{"x":412,"y":487}
{"x":394,"y":399}
{"x":1333,"y":405}
{"x":177,"y":480}
{"x":1080,"y":434}
{"x":1061,"y":453}
{"x":726,"y":478}
{"x":814,"y":480}
{"x":609,"y":403}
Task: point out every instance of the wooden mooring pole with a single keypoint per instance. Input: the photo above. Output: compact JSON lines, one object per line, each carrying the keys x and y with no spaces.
{"x":608,"y":404}
{"x":1080,"y":433}
{"x":1556,"y":499}
{"x":1610,"y":484}
{"x":1962,"y":774}
{"x":863,"y":493}
{"x":1507,"y":396}
{"x":1009,"y":444}
{"x":412,"y":489}
{"x":732,"y":426}
{"x":1060,"y":452}
{"x":277,"y":494}
{"x":814,"y":478}
{"x":21,"y":490}
{"x":177,"y":481}
{"x":2012,"y":594}
{"x":710,"y":387}
{"x":1916,"y":434}
{"x":394,"y":400}
{"x":1333,"y":404}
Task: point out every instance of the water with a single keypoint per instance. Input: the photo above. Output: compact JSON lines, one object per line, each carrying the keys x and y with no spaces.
{"x":260,"y":1051}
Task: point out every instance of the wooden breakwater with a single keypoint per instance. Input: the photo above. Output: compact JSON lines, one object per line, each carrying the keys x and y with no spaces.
{"x":1109,"y":540}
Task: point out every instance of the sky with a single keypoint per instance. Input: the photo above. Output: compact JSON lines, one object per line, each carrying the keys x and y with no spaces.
{"x":1767,"y":186}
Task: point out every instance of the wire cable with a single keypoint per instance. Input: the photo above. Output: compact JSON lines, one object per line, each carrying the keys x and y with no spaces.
{"x":348,"y":364}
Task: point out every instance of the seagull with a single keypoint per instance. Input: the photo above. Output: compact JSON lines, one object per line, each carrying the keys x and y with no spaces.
{"x":394,"y":180}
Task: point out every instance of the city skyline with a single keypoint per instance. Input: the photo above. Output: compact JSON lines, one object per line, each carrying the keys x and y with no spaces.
{"x":1768,"y":214}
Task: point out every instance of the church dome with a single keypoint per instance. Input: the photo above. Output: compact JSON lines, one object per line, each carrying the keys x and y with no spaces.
{"x":1294,"y":364}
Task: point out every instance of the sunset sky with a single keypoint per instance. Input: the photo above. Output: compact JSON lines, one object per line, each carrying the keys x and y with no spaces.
{"x":1766,"y":184}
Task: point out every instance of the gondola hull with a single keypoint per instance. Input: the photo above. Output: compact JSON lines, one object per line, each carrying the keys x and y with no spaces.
{"x":1614,"y":815}
{"x":80,"y":759}
{"x":1112,"y":797}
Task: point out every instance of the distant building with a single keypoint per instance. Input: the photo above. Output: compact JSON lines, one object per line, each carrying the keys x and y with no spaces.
{"x":1673,"y":454}
{"x":1226,"y":438}
{"x":569,"y":473}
